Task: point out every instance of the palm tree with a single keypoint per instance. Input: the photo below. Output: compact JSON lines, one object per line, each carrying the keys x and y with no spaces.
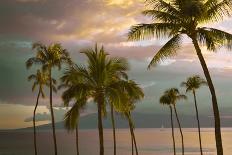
{"x":192,"y":84}
{"x":133,"y":93}
{"x":40,"y":80}
{"x":174,"y":96}
{"x":49,"y":57}
{"x":175,"y":18}
{"x":98,"y":81}
{"x":165,"y":100}
{"x":113,"y":126}
{"x":131,"y":126}
{"x":72,"y":118}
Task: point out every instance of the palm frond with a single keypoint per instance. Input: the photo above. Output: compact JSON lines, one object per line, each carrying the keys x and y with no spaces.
{"x":148,"y":31}
{"x":213,"y":37}
{"x":167,"y":51}
{"x":39,"y":46}
{"x":182,"y":97}
{"x":194,"y":82}
{"x":173,"y":95}
{"x":32,"y":61}
{"x":183,"y":84}
{"x":163,"y":6}
{"x":206,"y":38}
{"x":42,"y":92}
{"x":161,"y":16}
{"x":224,"y":37}
{"x":31,"y":77}
{"x":71,"y":117}
{"x":216,"y":10}
{"x":165,"y":100}
{"x":116,"y":67}
{"x":35,"y":84}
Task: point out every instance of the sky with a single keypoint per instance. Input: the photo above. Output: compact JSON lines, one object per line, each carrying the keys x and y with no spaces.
{"x":77,"y":24}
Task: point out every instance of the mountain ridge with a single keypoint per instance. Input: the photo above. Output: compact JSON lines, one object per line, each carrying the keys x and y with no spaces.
{"x":141,"y":120}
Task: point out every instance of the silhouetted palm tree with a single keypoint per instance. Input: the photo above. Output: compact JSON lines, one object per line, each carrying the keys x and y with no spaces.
{"x":133,"y":93}
{"x":175,"y":18}
{"x":131,"y":126}
{"x":113,"y":126}
{"x":174,"y":96}
{"x":97,"y":81}
{"x":192,"y":84}
{"x":72,"y":118}
{"x":165,"y":100}
{"x":40,"y":79}
{"x":49,"y":57}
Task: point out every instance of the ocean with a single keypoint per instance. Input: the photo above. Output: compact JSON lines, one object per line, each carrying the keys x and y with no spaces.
{"x":149,"y":141}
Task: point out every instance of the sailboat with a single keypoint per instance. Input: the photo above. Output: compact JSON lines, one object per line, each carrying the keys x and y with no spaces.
{"x":162,"y":128}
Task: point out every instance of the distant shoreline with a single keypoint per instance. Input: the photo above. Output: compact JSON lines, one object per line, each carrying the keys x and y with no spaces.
{"x":210,"y":129}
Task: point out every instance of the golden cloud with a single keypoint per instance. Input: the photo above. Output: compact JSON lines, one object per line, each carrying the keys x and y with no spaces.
{"x":123,"y":3}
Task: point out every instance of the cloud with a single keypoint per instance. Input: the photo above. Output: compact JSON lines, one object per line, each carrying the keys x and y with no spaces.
{"x":59,"y":113}
{"x":97,"y":20}
{"x":39,"y":117}
{"x":16,"y":44}
{"x":26,"y":1}
{"x":46,"y":116}
{"x":187,"y":60}
{"x":165,"y":62}
{"x":148,"y":84}
{"x":77,"y":24}
{"x":120,"y":3}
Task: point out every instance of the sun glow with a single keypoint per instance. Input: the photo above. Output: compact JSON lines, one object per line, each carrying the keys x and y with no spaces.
{"x":119,"y":2}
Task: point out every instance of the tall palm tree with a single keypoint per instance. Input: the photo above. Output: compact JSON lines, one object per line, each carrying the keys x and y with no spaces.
{"x":40,"y":79}
{"x":49,"y":57}
{"x":192,"y":84}
{"x":133,"y":93}
{"x":97,"y":81}
{"x":165,"y":100}
{"x":174,"y":95}
{"x":175,"y":18}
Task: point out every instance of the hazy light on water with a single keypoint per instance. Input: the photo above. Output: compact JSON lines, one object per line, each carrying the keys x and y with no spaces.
{"x":150,"y":142}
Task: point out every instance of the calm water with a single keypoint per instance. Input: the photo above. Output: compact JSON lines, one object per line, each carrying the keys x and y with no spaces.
{"x":150,"y":142}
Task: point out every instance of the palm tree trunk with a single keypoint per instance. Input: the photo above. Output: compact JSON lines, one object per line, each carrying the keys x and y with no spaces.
{"x":100,"y":127}
{"x":132,"y":133}
{"x":198,"y":122}
{"x":113,"y":125}
{"x":135,"y":143}
{"x":132,"y":144}
{"x":77,"y":139}
{"x":181,"y":133}
{"x":36,"y":105}
{"x":173,"y":134}
{"x":217,"y":122}
{"x":52,"y":113}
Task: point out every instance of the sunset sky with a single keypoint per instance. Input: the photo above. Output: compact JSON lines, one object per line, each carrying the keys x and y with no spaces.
{"x":82,"y":23}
